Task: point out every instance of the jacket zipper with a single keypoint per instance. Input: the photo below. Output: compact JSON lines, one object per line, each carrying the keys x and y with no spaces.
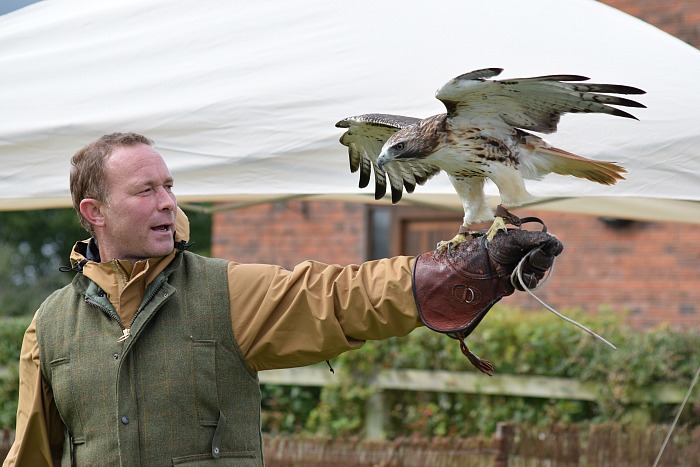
{"x":126,"y":332}
{"x":146,"y":301}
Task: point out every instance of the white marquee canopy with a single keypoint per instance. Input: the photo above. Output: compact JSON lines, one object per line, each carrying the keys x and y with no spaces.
{"x":241,"y":96}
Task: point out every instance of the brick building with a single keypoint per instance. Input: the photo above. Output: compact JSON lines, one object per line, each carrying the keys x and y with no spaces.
{"x":648,"y":271}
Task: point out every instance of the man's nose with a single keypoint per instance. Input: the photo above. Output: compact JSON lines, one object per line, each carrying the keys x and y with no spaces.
{"x":166,"y":200}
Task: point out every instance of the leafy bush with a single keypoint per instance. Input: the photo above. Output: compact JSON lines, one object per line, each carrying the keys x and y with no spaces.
{"x":11,"y":333}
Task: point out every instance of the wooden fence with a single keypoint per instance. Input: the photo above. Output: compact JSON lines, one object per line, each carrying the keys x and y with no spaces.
{"x":466,"y":382}
{"x":513,"y":445}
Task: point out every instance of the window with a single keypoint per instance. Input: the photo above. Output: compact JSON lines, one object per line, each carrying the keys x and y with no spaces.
{"x":409,"y":230}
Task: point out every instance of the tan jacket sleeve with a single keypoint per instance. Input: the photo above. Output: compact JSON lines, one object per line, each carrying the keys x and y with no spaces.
{"x":285,"y":318}
{"x":39,"y":431}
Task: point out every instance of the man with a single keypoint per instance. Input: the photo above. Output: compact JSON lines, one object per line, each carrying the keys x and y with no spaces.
{"x":150,"y":356}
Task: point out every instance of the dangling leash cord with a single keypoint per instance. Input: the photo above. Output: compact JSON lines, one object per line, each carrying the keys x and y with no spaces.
{"x":678,"y":415}
{"x":518,"y":273}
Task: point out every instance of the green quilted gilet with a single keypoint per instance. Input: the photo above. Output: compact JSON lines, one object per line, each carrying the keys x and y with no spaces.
{"x":177,"y":391}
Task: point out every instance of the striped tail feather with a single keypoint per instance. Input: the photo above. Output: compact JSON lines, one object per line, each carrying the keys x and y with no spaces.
{"x":550,"y":159}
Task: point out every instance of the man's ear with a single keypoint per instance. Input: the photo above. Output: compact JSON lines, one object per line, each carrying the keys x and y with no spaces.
{"x":91,"y":209}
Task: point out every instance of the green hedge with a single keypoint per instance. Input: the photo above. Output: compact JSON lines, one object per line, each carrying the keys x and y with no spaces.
{"x":11,"y":333}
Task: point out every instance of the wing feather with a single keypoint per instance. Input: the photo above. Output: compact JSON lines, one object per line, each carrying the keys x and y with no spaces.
{"x":364,"y":138}
{"x":535,"y":103}
{"x":407,"y":174}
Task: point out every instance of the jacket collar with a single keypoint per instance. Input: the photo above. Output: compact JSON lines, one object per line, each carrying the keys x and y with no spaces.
{"x":125,"y":282}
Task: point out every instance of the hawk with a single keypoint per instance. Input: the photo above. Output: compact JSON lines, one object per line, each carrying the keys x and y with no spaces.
{"x":486,"y":133}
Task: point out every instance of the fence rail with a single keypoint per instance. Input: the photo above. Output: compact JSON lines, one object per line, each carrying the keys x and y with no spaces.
{"x":469,"y":382}
{"x":466,"y":382}
{"x":475,"y":383}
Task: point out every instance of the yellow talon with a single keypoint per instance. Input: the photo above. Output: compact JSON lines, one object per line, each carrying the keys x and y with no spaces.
{"x":499,"y":223}
{"x":451,"y":244}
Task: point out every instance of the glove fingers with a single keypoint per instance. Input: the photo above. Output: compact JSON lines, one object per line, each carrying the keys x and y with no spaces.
{"x":530,"y":281}
{"x":542,"y":258}
{"x":553,"y":247}
{"x":510,"y":247}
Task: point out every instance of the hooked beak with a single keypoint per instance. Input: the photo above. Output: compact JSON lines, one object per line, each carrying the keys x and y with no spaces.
{"x":381,"y":160}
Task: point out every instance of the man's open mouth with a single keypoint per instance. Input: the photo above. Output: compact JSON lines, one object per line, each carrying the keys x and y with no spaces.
{"x":161,"y":228}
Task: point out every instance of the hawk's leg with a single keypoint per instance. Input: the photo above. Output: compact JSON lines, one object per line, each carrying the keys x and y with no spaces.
{"x":471,"y":193}
{"x":513,"y":193}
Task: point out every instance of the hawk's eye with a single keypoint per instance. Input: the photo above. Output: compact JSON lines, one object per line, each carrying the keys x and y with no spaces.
{"x":398,"y":146}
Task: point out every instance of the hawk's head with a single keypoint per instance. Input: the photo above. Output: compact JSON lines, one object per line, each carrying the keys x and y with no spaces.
{"x":412,"y":142}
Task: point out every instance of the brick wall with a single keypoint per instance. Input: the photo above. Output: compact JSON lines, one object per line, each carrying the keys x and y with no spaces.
{"x":648,"y":271}
{"x":680,"y":18}
{"x":291,"y":232}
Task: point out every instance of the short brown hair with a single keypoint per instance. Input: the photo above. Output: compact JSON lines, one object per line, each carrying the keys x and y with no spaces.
{"x":87,"y":175}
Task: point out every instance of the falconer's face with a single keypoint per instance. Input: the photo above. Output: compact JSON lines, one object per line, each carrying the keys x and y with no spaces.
{"x":138,"y":219}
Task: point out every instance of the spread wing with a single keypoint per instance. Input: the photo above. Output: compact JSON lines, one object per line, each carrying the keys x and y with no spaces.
{"x":365,"y":137}
{"x":529,"y":103}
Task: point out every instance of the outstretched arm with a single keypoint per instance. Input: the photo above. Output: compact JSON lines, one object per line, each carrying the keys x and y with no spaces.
{"x":316,"y":311}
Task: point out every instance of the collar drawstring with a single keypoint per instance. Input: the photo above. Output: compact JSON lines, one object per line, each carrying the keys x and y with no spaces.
{"x":182,"y":245}
{"x":76,"y":267}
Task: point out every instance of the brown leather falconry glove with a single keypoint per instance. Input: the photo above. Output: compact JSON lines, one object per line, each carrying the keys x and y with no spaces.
{"x":454,"y":289}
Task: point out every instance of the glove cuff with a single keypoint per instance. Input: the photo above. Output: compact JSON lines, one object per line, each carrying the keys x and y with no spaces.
{"x":454,"y":298}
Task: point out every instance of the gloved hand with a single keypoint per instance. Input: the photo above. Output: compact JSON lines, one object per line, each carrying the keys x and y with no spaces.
{"x":454,"y":289}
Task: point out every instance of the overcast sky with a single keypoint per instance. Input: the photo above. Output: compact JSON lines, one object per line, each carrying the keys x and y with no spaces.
{"x":7,"y":6}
